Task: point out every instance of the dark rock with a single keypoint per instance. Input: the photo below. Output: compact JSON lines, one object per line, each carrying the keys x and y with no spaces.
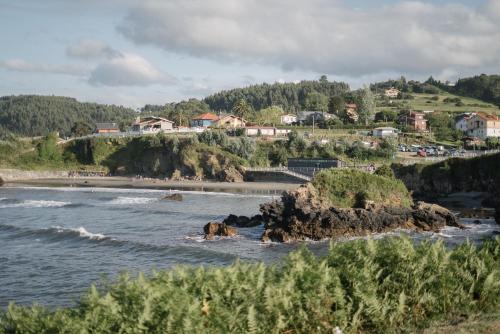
{"x":213,"y":229}
{"x":243,"y":221}
{"x":173,"y":197}
{"x":497,"y":214}
{"x":2,"y":182}
{"x":303,"y":215}
{"x":477,"y":222}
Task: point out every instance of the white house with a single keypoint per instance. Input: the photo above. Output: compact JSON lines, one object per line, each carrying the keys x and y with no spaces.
{"x":462,"y":121}
{"x":267,"y":131}
{"x":483,"y":126}
{"x":152,"y":124}
{"x":288,"y":119}
{"x":392,"y":92}
{"x":384,"y":132}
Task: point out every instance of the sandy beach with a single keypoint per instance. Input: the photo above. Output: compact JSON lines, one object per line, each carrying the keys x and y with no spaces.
{"x":127,"y":182}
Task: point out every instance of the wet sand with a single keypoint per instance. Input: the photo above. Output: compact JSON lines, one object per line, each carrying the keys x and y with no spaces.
{"x":126,"y":182}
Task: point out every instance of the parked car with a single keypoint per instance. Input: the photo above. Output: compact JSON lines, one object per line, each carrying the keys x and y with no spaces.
{"x":422,"y":153}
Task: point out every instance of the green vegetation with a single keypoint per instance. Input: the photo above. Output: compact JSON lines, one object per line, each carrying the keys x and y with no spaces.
{"x":290,"y":96}
{"x":350,"y":188}
{"x":385,"y":286}
{"x":480,"y":174}
{"x":30,"y":115}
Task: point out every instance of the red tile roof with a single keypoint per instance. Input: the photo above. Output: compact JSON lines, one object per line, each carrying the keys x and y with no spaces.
{"x":487,"y":117}
{"x":206,"y":116}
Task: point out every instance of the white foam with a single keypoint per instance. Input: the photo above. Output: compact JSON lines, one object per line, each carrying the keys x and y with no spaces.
{"x":132,"y":200}
{"x":82,"y":231}
{"x":35,"y":204}
{"x":143,"y":191}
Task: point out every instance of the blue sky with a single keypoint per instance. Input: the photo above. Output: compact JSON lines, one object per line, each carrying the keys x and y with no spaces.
{"x":136,"y":52}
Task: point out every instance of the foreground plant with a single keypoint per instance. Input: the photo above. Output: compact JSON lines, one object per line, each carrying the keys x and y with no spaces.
{"x":390,"y":285}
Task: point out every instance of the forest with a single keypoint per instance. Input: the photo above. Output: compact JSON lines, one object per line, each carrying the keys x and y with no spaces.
{"x":33,"y":115}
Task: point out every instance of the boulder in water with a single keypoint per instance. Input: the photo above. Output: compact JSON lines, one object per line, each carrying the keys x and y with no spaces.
{"x":2,"y":182}
{"x":243,"y":221}
{"x":213,"y":229}
{"x":173,"y":197}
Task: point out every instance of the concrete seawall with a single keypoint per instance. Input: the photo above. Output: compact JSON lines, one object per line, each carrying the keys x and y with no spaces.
{"x":17,"y":175}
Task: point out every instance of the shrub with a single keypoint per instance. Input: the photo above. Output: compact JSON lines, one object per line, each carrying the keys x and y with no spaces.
{"x":384,"y":286}
{"x":385,"y":170}
{"x":342,"y":188}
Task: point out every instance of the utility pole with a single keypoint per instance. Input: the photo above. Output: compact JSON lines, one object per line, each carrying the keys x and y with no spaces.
{"x":313,"y":123}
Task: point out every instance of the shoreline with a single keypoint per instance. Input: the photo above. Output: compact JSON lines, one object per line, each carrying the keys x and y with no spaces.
{"x":133,"y":183}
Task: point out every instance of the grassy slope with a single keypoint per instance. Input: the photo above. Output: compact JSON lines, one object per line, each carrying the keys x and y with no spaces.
{"x":471,"y":105}
{"x":384,"y":286}
{"x":347,"y":187}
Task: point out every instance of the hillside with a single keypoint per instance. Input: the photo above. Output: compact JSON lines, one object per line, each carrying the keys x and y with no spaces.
{"x":484,"y":87}
{"x":441,"y":102}
{"x":33,"y":115}
{"x":290,"y":96}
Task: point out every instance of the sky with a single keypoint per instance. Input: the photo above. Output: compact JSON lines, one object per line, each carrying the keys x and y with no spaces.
{"x":137,"y":52}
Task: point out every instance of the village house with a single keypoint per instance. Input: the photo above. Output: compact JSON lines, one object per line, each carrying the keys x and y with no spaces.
{"x":414,"y":120}
{"x":384,"y":132}
{"x":254,"y":131}
{"x":392,"y":92}
{"x":230,"y":121}
{"x":288,"y":119}
{"x":204,"y":120}
{"x":462,"y":122}
{"x":152,"y":124}
{"x":483,"y":126}
{"x":107,"y":128}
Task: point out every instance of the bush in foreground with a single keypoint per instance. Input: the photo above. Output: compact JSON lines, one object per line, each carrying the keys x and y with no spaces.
{"x":382,"y":286}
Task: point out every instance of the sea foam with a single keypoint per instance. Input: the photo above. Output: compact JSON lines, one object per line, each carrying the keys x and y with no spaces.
{"x":35,"y":204}
{"x":81,"y":231}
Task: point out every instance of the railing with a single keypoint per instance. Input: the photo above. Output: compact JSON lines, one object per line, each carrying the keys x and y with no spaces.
{"x":283,"y":170}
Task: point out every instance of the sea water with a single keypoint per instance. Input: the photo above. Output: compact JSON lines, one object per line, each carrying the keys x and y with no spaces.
{"x":55,"y":242}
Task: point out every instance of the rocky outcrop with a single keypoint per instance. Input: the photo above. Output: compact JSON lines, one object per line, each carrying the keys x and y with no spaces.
{"x":230,"y":174}
{"x":214,"y":229}
{"x":303,"y":215}
{"x":1,"y":182}
{"x":243,"y":221}
{"x":173,"y":197}
{"x":497,"y":214}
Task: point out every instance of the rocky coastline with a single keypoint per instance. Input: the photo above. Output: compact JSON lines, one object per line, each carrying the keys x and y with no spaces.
{"x":303,"y":215}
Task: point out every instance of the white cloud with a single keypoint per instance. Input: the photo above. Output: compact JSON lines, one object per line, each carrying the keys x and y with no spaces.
{"x":324,"y":36}
{"x":128,"y":70}
{"x":90,"y":48}
{"x":21,"y":65}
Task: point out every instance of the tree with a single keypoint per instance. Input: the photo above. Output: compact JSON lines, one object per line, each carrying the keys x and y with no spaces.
{"x":336,"y":105}
{"x":317,"y":102}
{"x":366,"y":105}
{"x":269,"y":116}
{"x":386,"y":116}
{"x":241,"y":109}
{"x":48,"y":149}
{"x":81,"y":128}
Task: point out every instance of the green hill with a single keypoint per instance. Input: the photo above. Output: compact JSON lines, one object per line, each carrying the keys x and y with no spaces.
{"x":33,"y":115}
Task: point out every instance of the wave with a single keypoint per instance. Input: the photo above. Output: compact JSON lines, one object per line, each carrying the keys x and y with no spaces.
{"x":81,"y":231}
{"x":132,"y":200}
{"x":35,"y":204}
{"x":144,"y":191}
{"x":183,"y":253}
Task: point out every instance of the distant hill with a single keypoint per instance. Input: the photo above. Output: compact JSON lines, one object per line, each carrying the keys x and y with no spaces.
{"x":483,"y":87}
{"x":290,"y":96}
{"x":34,"y":115}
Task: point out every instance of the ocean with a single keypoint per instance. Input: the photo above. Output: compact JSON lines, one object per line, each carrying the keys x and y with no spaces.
{"x":56,"y":241}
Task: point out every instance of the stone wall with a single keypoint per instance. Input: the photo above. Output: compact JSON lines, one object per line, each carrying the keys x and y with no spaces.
{"x":18,"y":175}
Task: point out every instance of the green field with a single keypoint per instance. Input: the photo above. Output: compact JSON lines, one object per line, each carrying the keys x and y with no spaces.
{"x":423,"y":102}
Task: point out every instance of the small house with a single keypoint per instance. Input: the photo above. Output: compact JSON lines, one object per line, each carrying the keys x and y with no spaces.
{"x":152,"y":124}
{"x":482,"y":125}
{"x":230,"y":121}
{"x":107,"y":128}
{"x":385,"y":132}
{"x":288,"y":119}
{"x":462,"y":121}
{"x":253,"y":131}
{"x":414,"y":120}
{"x":392,"y":92}
{"x":204,"y":120}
